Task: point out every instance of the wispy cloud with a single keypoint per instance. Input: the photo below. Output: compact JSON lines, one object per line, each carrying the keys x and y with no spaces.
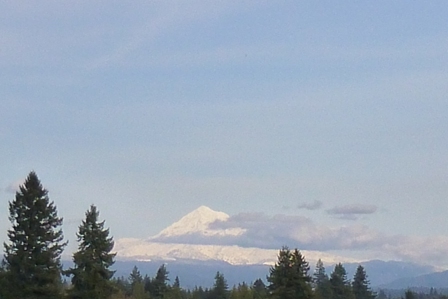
{"x":352,"y":211}
{"x":315,"y":205}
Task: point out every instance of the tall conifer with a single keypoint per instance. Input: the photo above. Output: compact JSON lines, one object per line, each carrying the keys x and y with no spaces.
{"x":90,"y":274}
{"x":340,"y":286}
{"x":32,"y":255}
{"x":321,"y":282}
{"x":289,"y":278}
{"x":360,"y":285}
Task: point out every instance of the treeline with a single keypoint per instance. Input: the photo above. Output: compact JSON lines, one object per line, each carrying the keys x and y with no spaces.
{"x":289,"y":278}
{"x":31,"y":267}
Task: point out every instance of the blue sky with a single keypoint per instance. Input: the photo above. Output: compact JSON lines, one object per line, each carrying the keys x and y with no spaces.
{"x":336,"y":112}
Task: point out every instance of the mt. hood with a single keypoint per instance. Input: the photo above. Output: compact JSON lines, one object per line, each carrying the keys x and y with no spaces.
{"x":193,"y":238}
{"x":197,"y":222}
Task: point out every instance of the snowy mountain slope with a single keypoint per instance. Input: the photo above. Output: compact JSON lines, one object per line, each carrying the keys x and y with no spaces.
{"x":146,"y":250}
{"x":197,"y":223}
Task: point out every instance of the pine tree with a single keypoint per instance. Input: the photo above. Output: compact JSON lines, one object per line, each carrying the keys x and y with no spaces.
{"x":220,"y":287}
{"x":360,"y":285}
{"x":321,"y":282}
{"x":176,"y":283}
{"x":259,"y":289}
{"x":135,"y":276}
{"x":289,"y":278}
{"x":158,"y":286}
{"x":91,"y":277}
{"x":32,"y":256}
{"x":3,"y":281}
{"x":137,"y":285}
{"x":175,"y":292}
{"x":244,"y":292}
{"x":340,"y":286}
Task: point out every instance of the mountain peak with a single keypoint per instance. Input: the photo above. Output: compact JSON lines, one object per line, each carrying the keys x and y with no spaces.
{"x":205,"y":209}
{"x":197,"y":222}
{"x":204,"y":214}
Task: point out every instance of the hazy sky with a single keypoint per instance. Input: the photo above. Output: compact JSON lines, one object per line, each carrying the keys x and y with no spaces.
{"x":331,"y":113}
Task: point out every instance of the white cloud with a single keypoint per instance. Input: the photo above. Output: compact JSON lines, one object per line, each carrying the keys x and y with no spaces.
{"x":351,"y":212}
{"x":315,"y":205}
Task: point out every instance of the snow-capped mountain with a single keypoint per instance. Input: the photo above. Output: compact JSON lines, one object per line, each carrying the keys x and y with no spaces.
{"x":196,"y":260}
{"x":197,"y":223}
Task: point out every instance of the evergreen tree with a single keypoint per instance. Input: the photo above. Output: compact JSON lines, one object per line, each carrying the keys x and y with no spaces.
{"x":259,"y":289}
{"x":340,"y":286}
{"x":32,"y":255}
{"x":148,"y":283}
{"x":175,"y":291}
{"x":137,"y":285}
{"x":91,"y":277}
{"x":220,"y":287}
{"x":122,"y":285}
{"x":289,"y":278}
{"x":360,"y":285}
{"x":135,"y":276}
{"x":244,"y":292}
{"x":321,"y":282}
{"x":158,"y":286}
{"x":138,"y":291}
{"x":198,"y":293}
{"x":3,"y":282}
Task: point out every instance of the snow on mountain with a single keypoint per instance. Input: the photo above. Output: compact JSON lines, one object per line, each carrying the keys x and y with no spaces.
{"x":145,"y":250}
{"x":197,"y":223}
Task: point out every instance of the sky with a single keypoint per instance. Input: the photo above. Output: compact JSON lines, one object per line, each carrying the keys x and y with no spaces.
{"x":319,"y":123}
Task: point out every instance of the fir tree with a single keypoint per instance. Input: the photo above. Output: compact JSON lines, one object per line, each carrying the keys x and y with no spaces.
{"x":137,"y":285}
{"x":158,"y":286}
{"x":32,"y":255}
{"x":220,"y":287}
{"x":360,"y":285}
{"x":135,"y":276}
{"x":175,"y":291}
{"x":244,"y":292}
{"x":321,"y":282}
{"x":176,"y":283}
{"x":289,"y":277}
{"x":91,"y":277}
{"x":340,"y":286}
{"x":259,"y":289}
